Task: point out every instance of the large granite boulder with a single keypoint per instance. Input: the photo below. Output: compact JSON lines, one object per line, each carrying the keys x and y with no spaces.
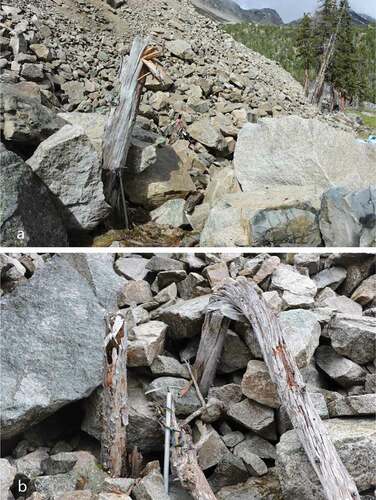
{"x":69,"y":165}
{"x":308,"y":154}
{"x":355,"y":441}
{"x":53,"y":329}
{"x":28,"y":214}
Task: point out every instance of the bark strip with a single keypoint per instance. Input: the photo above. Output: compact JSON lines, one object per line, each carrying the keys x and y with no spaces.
{"x":115,"y":399}
{"x":239,"y":300}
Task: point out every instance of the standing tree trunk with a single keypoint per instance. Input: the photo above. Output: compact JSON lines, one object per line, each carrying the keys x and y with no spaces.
{"x":115,"y":399}
{"x":240,"y":300}
{"x":306,"y":81}
{"x":210,"y":349}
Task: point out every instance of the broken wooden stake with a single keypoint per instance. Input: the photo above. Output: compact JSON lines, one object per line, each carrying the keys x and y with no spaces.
{"x":115,"y":399}
{"x":239,"y":300}
{"x":185,"y":464}
{"x":119,"y":128}
{"x":210,"y":349}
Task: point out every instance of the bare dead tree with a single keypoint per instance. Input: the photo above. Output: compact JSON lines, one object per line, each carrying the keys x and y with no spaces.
{"x":115,"y":399}
{"x":142,"y":61}
{"x":210,"y":349}
{"x":239,"y":300}
{"x":326,"y":60}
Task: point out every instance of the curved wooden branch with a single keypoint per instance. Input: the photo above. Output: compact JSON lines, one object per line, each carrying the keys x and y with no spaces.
{"x":240,"y":300}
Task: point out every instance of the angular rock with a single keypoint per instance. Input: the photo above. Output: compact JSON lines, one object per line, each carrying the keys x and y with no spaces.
{"x":339,"y":303}
{"x":348,"y":218}
{"x":162,"y":263}
{"x":146,"y":341}
{"x":366,"y":292}
{"x":235,"y":354}
{"x":171,"y":213}
{"x":350,"y":406}
{"x":216,"y":274}
{"x":135,"y":292}
{"x":180,"y":49}
{"x":225,"y":226}
{"x":267,"y":268}
{"x":185,"y":318}
{"x":26,"y":122}
{"x":354,"y":337}
{"x":166,"y":278}
{"x":167,"y":178}
{"x":184,"y":405}
{"x":169,"y":366}
{"x":67,"y":155}
{"x":255,"y":466}
{"x":254,"y":417}
{"x":303,"y":156}
{"x":209,"y":445}
{"x":31,"y":465}
{"x":332,"y":277}
{"x":258,"y":386}
{"x":150,"y":487}
{"x":286,"y":226}
{"x":231,"y":439}
{"x":230,"y":470}
{"x":261,"y":447}
{"x":310,"y":261}
{"x":133,"y":268}
{"x":228,"y":393}
{"x":28,"y":214}
{"x":355,"y":441}
{"x":302,"y":334}
{"x":342,"y":370}
{"x":72,"y":365}
{"x":203,"y":132}
{"x":298,"y":290}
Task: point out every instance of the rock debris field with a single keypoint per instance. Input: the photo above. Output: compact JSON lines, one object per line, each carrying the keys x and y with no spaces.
{"x":53,"y":311}
{"x":226,"y":150}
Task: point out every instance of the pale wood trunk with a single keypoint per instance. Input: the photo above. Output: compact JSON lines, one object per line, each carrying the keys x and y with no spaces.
{"x":115,"y":399}
{"x":210,"y":349}
{"x":119,"y":128}
{"x":240,"y":300}
{"x":184,"y":463}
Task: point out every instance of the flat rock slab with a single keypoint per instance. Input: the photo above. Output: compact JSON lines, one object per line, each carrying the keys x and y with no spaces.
{"x":355,"y":441}
{"x":308,"y":154}
{"x":61,"y":325}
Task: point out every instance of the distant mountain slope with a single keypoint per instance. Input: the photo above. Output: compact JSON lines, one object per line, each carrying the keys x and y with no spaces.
{"x":229,"y":11}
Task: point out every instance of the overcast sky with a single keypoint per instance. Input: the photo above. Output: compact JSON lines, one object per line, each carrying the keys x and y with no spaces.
{"x":294,"y":9}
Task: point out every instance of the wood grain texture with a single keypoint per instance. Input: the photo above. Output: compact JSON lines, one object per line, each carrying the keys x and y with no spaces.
{"x":115,"y":400}
{"x":239,"y":300}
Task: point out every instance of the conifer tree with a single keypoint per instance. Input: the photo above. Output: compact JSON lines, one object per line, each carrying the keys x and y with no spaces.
{"x":305,"y":47}
{"x":343,"y":73}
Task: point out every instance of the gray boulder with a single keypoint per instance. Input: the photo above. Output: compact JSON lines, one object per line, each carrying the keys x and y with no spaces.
{"x":302,"y":334}
{"x":309,"y":155}
{"x":184,"y":405}
{"x":7,"y":475}
{"x":285,"y":226}
{"x":257,"y":488}
{"x":355,"y":441}
{"x":28,"y":214}
{"x":62,"y":325}
{"x":342,"y":370}
{"x":348,"y":218}
{"x":26,"y":121}
{"x":354,"y":337}
{"x":69,"y":165}
{"x":185,"y":318}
